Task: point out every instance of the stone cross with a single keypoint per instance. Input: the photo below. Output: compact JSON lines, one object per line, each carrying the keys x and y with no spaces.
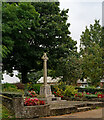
{"x":45,"y":58}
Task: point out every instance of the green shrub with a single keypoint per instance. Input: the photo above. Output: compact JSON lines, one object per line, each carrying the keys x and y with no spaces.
{"x":35,"y":87}
{"x":70,"y":91}
{"x":91,"y":96}
{"x":61,"y":85}
{"x":7,"y":87}
{"x":90,"y":90}
{"x":6,"y":113}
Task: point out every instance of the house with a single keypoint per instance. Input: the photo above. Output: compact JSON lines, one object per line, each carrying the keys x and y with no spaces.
{"x":83,"y":83}
{"x":49,"y":80}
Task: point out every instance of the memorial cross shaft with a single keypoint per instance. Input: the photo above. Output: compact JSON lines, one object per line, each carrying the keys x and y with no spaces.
{"x":45,"y":58}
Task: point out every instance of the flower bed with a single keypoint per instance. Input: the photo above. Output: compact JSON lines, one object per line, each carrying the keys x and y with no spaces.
{"x":33,"y":102}
{"x":58,"y":94}
{"x":32,"y":93}
{"x":89,"y":95}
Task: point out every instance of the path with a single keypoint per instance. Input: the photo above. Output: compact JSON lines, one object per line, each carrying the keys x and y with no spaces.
{"x":97,"y":113}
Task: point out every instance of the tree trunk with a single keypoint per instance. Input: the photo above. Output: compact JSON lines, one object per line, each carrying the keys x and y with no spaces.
{"x":24,"y":76}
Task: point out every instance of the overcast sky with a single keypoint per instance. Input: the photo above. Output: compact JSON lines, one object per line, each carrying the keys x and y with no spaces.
{"x":81,"y":13}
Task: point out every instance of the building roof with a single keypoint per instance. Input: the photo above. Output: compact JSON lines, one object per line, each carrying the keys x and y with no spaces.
{"x":49,"y":80}
{"x":84,"y":81}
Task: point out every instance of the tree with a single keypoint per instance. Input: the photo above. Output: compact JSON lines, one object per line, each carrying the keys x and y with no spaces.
{"x":31,"y":39}
{"x":17,"y":20}
{"x":92,"y":53}
{"x":69,"y":68}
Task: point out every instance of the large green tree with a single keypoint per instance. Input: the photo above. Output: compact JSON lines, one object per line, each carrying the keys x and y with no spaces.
{"x":92,"y":53}
{"x":69,"y":68}
{"x":31,"y":40}
{"x":17,"y":20}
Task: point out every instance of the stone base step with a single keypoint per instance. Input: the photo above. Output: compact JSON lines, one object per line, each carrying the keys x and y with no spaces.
{"x":81,"y":105}
{"x":80,"y":109}
{"x":67,"y":107}
{"x":62,"y":110}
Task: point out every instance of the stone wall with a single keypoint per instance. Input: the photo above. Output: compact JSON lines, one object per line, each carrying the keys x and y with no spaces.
{"x":8,"y":102}
{"x":36,"y":111}
{"x":16,"y":106}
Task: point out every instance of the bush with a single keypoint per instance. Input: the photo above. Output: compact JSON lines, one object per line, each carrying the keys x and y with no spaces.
{"x":58,"y":90}
{"x":20,"y":86}
{"x":36,"y":88}
{"x":61,"y":85}
{"x":70,"y":91}
{"x":90,"y":90}
{"x":7,"y":87}
{"x":30,"y":86}
{"x":90,"y":96}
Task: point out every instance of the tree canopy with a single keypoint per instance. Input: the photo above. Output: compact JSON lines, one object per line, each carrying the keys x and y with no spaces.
{"x":92,"y":53}
{"x":31,"y":29}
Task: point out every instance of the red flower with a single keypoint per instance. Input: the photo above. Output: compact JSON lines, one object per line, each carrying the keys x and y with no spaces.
{"x":42,"y":102}
{"x":100,"y":96}
{"x":54,"y":92}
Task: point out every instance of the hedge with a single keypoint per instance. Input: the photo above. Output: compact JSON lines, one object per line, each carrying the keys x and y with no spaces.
{"x":90,"y":90}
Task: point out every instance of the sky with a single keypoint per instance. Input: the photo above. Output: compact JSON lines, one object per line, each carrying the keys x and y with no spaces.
{"x":81,"y":13}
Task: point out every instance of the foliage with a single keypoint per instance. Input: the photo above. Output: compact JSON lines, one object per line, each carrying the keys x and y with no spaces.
{"x":10,"y":88}
{"x":32,"y":93}
{"x":58,"y":93}
{"x":61,"y":85}
{"x":32,"y":76}
{"x":30,"y":86}
{"x":79,"y":94}
{"x":4,"y":51}
{"x":6,"y":113}
{"x":57,"y":90}
{"x":90,"y":90}
{"x":91,"y":51}
{"x":33,"y":102}
{"x":69,"y":68}
{"x":91,"y":96}
{"x":70,"y":91}
{"x":30,"y":40}
{"x":20,"y":86}
{"x":18,"y":28}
